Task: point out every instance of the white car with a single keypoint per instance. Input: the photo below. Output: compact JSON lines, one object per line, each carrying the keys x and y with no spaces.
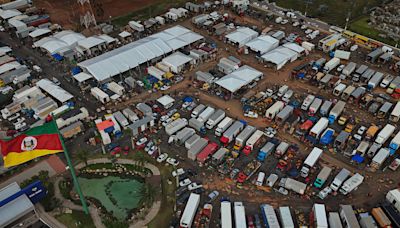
{"x":340,"y":68}
{"x":295,"y":24}
{"x":324,"y":192}
{"x":303,"y":27}
{"x":140,"y":83}
{"x":361,"y":130}
{"x":172,"y":161}
{"x":178,"y":172}
{"x":251,"y":114}
{"x":148,"y":146}
{"x":165,"y":87}
{"x":308,"y":31}
{"x":20,"y":126}
{"x":194,"y":186}
{"x":166,"y":122}
{"x":284,"y":22}
{"x":164,"y":118}
{"x":186,"y":104}
{"x":270,"y":132}
{"x":162,"y":157}
{"x":141,"y":141}
{"x":269,"y":92}
{"x":152,"y":150}
{"x":185,"y":182}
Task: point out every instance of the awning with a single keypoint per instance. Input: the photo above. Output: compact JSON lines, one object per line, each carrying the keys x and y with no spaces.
{"x":81,"y":77}
{"x":57,"y":57}
{"x":76,"y":70}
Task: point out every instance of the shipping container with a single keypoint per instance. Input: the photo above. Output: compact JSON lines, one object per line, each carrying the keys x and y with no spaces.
{"x":348,"y":216}
{"x":286,"y":217}
{"x":319,"y":214}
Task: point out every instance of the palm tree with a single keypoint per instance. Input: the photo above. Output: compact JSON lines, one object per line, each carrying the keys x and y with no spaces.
{"x":140,"y":160}
{"x":83,"y":156}
{"x":148,"y":194}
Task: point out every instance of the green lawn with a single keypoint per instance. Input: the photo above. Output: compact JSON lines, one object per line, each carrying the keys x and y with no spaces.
{"x":361,"y":26}
{"x":150,"y":11}
{"x":78,"y":219}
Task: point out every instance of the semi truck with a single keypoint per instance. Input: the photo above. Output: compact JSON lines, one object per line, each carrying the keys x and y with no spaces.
{"x":190,"y":210}
{"x":293,"y":185}
{"x":351,"y":184}
{"x":226,"y":214}
{"x":252,"y":142}
{"x":307,"y":102}
{"x":379,"y":158}
{"x":206,"y":114}
{"x":384,"y":134}
{"x":315,"y":105}
{"x":331,"y":64}
{"x":243,"y":136}
{"x":274,"y":110}
{"x":320,"y":218}
{"x":175,"y":126}
{"x":336,"y":111}
{"x":269,"y":216}
{"x":323,"y":175}
{"x":223,"y":125}
{"x":281,"y":149}
{"x":207,"y":152}
{"x":349,"y":69}
{"x":198,"y":125}
{"x":196,"y":111}
{"x":266,"y":150}
{"x":339,"y":179}
{"x":394,"y":145}
{"x":196,"y":148}
{"x":310,"y":161}
{"x":286,"y":217}
{"x":232,"y":132}
{"x":184,"y":135}
{"x":215,"y":118}
{"x":240,"y":215}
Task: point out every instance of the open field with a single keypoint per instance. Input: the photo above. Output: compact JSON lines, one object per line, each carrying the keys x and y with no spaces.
{"x":361,"y":26}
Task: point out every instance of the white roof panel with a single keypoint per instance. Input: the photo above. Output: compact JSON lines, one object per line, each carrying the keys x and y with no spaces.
{"x":54,"y":90}
{"x":39,"y":32}
{"x":107,"y":38}
{"x":165,"y":100}
{"x":81,"y":77}
{"x":124,"y":34}
{"x":263,"y":44}
{"x":176,"y":59}
{"x":6,"y":14}
{"x":90,"y":42}
{"x":294,"y":47}
{"x":239,"y":78}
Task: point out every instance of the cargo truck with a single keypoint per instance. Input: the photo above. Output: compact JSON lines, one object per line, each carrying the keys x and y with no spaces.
{"x":196,"y":111}
{"x":367,"y":75}
{"x":240,"y":215}
{"x":339,"y":179}
{"x":131,"y":115}
{"x":327,"y":137}
{"x":206,"y":152}
{"x":284,"y":114}
{"x":351,"y":184}
{"x":307,"y":102}
{"x":303,"y":129}
{"x":310,"y":161}
{"x":380,"y":217}
{"x":223,"y":125}
{"x":198,"y":125}
{"x":317,"y":130}
{"x":219,"y":156}
{"x":252,"y":141}
{"x":394,"y":145}
{"x":190,"y":210}
{"x":331,"y":64}
{"x":286,"y":217}
{"x":266,"y":150}
{"x":315,"y":105}
{"x":319,"y":215}
{"x":293,"y":185}
{"x":243,"y":136}
{"x":349,"y":69}
{"x":226,"y":214}
{"x":121,"y":119}
{"x":191,"y":141}
{"x":175,"y":126}
{"x":371,"y":132}
{"x":274,"y":110}
{"x":384,"y":110}
{"x":384,"y":134}
{"x":206,"y":114}
{"x":317,"y":65}
{"x":232,"y":132}
{"x":326,"y":106}
{"x":395,"y":115}
{"x":347,"y":92}
{"x":379,"y":158}
{"x":281,"y":149}
{"x":184,"y":135}
{"x":323,"y":175}
{"x":336,"y":111}
{"x":375,"y":80}
{"x":360,"y":70}
{"x":393,"y":85}
{"x":269,"y":216}
{"x":215,"y":118}
{"x":196,"y":148}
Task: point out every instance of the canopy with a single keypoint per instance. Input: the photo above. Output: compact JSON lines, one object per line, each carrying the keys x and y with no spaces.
{"x":239,"y":78}
{"x":294,"y":47}
{"x":175,"y":60}
{"x":57,"y":56}
{"x":81,"y":77}
{"x":187,"y":99}
{"x":165,"y":100}
{"x":90,"y":42}
{"x":39,"y":32}
{"x":76,"y":70}
{"x":241,"y":36}
{"x":54,"y":90}
{"x":357,"y":158}
{"x":263,"y":44}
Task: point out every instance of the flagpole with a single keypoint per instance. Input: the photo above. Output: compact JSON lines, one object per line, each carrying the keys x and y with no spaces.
{"x":72,"y":169}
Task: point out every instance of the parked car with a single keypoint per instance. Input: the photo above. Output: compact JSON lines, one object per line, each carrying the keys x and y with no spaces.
{"x":153,"y":150}
{"x":283,"y":191}
{"x":324,"y":192}
{"x":148,"y":146}
{"x":270,"y":132}
{"x":212,"y":196}
{"x":162,"y":157}
{"x":172,"y":161}
{"x":185,"y":182}
{"x":186,"y":104}
{"x":251,"y":114}
{"x":165,"y":87}
{"x":178,"y":172}
{"x":141,"y":143}
{"x":194,"y":186}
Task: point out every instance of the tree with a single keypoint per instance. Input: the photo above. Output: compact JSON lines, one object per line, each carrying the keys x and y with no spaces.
{"x":140,"y":160}
{"x":83,"y":156}
{"x":148,"y":194}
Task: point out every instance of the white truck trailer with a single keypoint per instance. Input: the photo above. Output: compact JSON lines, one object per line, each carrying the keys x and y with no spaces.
{"x":100,"y":95}
{"x":190,"y":210}
{"x":226,"y":214}
{"x":252,"y":141}
{"x":393,"y":197}
{"x":240,"y":215}
{"x":197,"y":110}
{"x":293,"y":185}
{"x":351,"y":184}
{"x":320,"y":219}
{"x":339,"y":179}
{"x":336,"y":111}
{"x":121,"y":119}
{"x":175,"y":126}
{"x":131,"y":115}
{"x":310,"y":161}
{"x":243,"y":136}
{"x":349,"y":69}
{"x":319,"y":127}
{"x":206,"y":114}
{"x":232,"y":132}
{"x":384,"y":134}
{"x":395,"y":114}
{"x":274,"y":109}
{"x":215,"y":118}
{"x":331,"y":64}
{"x":286,"y":217}
{"x":197,"y":147}
{"x":223,"y":125}
{"x":269,"y":216}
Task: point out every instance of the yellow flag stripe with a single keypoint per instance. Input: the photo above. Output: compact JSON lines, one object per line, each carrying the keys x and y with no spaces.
{"x":15,"y":158}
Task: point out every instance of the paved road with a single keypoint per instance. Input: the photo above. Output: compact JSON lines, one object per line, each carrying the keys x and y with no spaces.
{"x":50,"y":69}
{"x":275,"y":9}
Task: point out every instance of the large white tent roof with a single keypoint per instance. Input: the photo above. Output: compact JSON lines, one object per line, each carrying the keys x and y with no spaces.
{"x":82,"y":76}
{"x":39,"y":32}
{"x":69,"y":37}
{"x":90,"y":42}
{"x":176,"y":59}
{"x":54,"y":90}
{"x":239,"y":78}
{"x":263,"y":44}
{"x":294,"y":47}
{"x":242,"y":35}
{"x":276,"y":58}
{"x":51,"y":44}
{"x":107,"y":38}
{"x":6,"y":14}
{"x":138,"y":52}
{"x":165,"y":100}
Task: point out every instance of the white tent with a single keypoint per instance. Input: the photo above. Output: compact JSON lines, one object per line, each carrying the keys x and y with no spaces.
{"x":276,"y":58}
{"x":154,"y":71}
{"x":295,"y":47}
{"x":90,"y":42}
{"x":107,"y":38}
{"x":342,"y":54}
{"x":54,"y":90}
{"x":241,"y":36}
{"x":17,"y":24}
{"x":50,"y":44}
{"x":69,"y":37}
{"x":239,"y":78}
{"x":263,"y":44}
{"x":82,"y":76}
{"x":39,"y":32}
{"x":288,"y":52}
{"x":166,"y":101}
{"x":176,"y":61}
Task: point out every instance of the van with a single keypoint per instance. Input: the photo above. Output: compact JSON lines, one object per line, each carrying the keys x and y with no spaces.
{"x":271,"y":180}
{"x":307,"y":102}
{"x":283,"y":90}
{"x":386,"y":81}
{"x":287,"y":96}
{"x":339,"y":89}
{"x":260,"y":179}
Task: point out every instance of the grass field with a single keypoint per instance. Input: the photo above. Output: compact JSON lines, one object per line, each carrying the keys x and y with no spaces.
{"x":77,"y":219}
{"x":361,"y":26}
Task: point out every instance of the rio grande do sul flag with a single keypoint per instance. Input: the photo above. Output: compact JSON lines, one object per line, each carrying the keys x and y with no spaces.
{"x":36,"y":142}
